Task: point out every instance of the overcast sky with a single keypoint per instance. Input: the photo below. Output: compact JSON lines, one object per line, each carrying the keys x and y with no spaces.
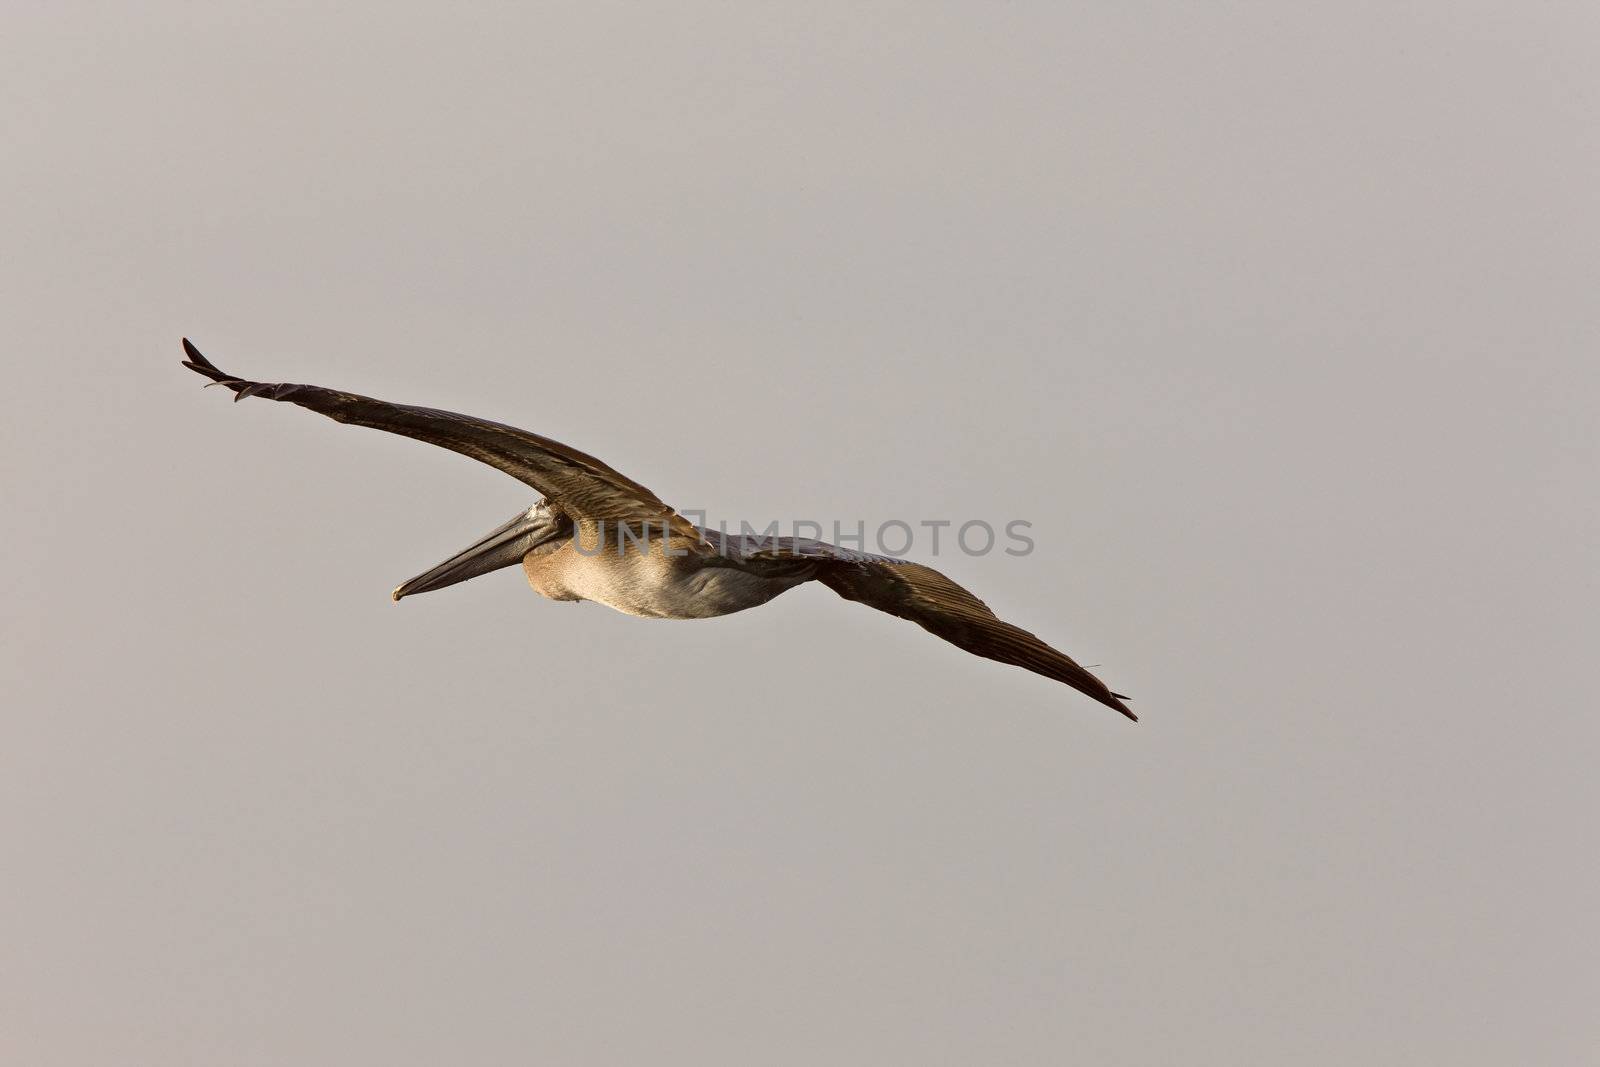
{"x":1279,"y":327}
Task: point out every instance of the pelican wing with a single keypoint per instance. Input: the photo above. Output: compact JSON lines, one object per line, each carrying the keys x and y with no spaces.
{"x":581,"y":485}
{"x":941,"y":607}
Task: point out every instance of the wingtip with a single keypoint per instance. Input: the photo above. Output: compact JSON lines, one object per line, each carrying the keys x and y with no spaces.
{"x":195,"y":360}
{"x":199,"y":363}
{"x":203,"y":366}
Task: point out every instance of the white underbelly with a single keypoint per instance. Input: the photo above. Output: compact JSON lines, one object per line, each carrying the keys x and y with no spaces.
{"x":653,"y":586}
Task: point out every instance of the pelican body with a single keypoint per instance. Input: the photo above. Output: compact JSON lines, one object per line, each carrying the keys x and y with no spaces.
{"x":597,"y":535}
{"x":654,"y":574}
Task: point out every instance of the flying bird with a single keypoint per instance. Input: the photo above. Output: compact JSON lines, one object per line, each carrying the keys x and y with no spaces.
{"x":599,"y":535}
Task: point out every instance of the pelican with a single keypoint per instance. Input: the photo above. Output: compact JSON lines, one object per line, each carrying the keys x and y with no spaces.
{"x":598,"y":535}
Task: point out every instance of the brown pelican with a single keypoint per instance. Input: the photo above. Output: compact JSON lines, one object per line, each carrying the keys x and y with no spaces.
{"x":599,"y":535}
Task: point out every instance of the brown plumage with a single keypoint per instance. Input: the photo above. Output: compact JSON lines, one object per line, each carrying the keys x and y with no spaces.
{"x":674,"y":569}
{"x":581,"y":483}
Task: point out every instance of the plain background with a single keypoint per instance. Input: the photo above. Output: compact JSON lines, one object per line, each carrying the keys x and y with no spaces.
{"x":1277,"y":321}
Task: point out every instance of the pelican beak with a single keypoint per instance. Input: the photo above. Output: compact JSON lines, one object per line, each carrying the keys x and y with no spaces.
{"x":501,"y":547}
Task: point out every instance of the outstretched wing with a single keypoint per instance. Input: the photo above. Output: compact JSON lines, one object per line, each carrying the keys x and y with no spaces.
{"x":939,"y":606}
{"x":581,"y":485}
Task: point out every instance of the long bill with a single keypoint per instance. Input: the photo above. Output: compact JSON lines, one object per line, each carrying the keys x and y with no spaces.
{"x":502,"y":547}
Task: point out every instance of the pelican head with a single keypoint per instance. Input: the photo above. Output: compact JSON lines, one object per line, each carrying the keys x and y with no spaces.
{"x":504,"y":546}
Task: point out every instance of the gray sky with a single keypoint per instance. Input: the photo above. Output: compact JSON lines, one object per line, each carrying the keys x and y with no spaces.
{"x":1279,"y":327}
